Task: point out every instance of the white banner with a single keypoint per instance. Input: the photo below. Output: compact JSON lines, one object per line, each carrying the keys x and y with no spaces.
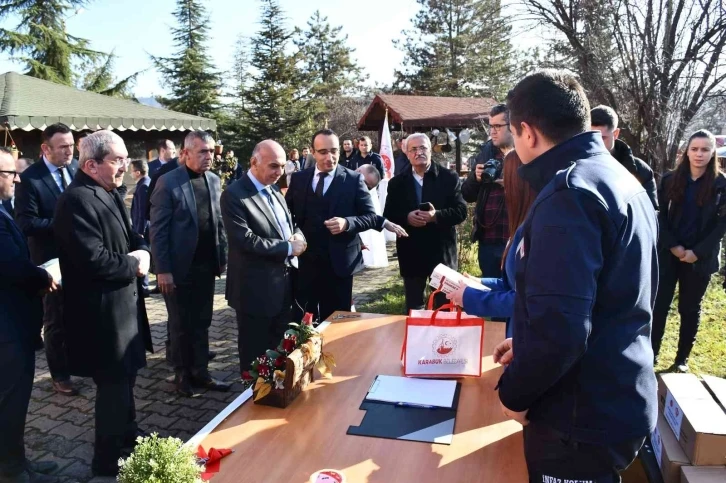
{"x":386,"y":150}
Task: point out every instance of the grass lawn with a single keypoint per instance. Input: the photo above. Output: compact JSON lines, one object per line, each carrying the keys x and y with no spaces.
{"x":709,"y":353}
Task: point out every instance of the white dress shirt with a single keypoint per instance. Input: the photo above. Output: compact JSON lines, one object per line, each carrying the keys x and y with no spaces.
{"x":326,"y":181}
{"x":419,"y":179}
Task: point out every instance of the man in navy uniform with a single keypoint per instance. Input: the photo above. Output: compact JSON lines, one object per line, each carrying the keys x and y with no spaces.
{"x":579,"y":370}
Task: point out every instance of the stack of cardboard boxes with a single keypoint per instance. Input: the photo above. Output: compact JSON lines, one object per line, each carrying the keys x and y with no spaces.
{"x":689,"y":441}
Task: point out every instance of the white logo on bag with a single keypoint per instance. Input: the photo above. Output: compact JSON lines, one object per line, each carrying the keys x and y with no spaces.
{"x":444,"y":345}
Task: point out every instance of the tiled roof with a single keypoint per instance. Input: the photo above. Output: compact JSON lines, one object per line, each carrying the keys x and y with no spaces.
{"x":29,"y":103}
{"x":425,"y":111}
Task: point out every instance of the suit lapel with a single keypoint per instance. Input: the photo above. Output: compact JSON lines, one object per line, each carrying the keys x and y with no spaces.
{"x":105,"y":198}
{"x":186,"y":187}
{"x":49,"y":180}
{"x":213,"y":196}
{"x":429,"y":186}
{"x":262,"y":204}
{"x":278,"y":196}
{"x":336,"y":185}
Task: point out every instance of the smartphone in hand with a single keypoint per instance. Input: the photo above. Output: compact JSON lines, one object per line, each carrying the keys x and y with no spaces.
{"x":426,"y":206}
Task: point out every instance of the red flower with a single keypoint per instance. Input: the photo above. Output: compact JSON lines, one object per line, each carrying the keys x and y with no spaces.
{"x":246,"y":376}
{"x":288,"y":345}
{"x":265,"y":371}
{"x":308,"y":318}
{"x":280,"y":362}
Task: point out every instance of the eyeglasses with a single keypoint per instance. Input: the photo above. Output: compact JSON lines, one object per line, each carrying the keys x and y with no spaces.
{"x":325,"y":152}
{"x":419,"y":149}
{"x":12,"y":174}
{"x":497,"y":127}
{"x":117,"y":161}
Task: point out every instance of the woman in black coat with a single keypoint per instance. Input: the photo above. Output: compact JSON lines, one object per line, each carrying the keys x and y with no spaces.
{"x":692,"y":223}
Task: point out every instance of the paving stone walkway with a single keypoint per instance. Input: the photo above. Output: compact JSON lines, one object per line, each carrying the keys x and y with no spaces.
{"x":60,"y":428}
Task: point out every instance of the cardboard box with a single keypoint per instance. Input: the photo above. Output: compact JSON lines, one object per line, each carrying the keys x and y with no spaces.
{"x":668,"y":452}
{"x":703,"y":474}
{"x":697,"y":421}
{"x":717,"y":387}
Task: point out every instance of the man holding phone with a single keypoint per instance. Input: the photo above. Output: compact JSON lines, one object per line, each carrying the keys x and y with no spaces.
{"x":426,"y":201}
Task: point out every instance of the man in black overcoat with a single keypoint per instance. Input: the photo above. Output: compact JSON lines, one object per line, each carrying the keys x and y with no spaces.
{"x":101,"y":258}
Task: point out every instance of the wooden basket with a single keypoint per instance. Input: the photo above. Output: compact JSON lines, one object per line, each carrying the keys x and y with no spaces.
{"x":298,"y":374}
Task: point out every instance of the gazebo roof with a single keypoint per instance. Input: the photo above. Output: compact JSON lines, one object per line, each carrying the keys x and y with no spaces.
{"x":29,"y":103}
{"x":426,"y":112}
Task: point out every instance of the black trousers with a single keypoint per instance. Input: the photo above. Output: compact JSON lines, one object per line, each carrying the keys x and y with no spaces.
{"x":692,"y":287}
{"x":54,"y":336}
{"x":190,"y":309}
{"x":319,"y":290}
{"x":257,"y":334}
{"x":414,"y":288}
{"x":552,"y":456}
{"x":115,"y":418}
{"x":18,"y":359}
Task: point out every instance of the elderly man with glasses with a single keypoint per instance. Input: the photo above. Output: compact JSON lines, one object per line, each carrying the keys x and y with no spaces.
{"x":101,"y":258}
{"x":426,"y":201}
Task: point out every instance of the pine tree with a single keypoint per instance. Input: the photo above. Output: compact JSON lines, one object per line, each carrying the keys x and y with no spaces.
{"x":194,"y":83}
{"x":327,"y":65}
{"x":40,"y":40}
{"x":458,"y":48}
{"x":99,"y":78}
{"x":273,"y":104}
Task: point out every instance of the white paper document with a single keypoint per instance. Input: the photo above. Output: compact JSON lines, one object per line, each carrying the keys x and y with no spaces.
{"x":417,"y":392}
{"x":53,"y":267}
{"x":452,"y":279}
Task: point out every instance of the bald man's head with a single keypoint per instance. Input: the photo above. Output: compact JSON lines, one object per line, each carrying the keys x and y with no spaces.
{"x":267,"y":162}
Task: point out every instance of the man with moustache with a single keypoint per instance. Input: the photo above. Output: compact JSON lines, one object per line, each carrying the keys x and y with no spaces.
{"x":101,"y":258}
{"x":263,"y":250}
{"x":432,"y":231}
{"x":22,"y":284}
{"x":347,"y":155}
{"x":331,"y":205}
{"x":37,"y":194}
{"x":189,"y":246}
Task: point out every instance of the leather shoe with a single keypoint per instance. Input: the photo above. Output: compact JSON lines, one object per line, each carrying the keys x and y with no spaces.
{"x":65,"y":387}
{"x":212,"y":355}
{"x":183,"y":386}
{"x":211,"y":384}
{"x":44,"y":467}
{"x":29,"y":476}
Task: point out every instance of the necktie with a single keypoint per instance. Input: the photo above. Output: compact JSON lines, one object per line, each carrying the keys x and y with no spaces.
{"x":282,"y":221}
{"x":64,"y":183}
{"x":321,"y":184}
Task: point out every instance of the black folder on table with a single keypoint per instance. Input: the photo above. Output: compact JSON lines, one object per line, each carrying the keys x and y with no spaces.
{"x":393,"y":421}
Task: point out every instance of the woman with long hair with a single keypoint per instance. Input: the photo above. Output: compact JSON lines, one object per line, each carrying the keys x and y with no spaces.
{"x":499,"y":301}
{"x":692,"y":223}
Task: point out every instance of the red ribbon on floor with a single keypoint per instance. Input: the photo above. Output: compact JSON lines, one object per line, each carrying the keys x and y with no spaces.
{"x":212,"y":460}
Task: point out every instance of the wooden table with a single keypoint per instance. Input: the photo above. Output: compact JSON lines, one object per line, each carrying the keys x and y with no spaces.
{"x":288,"y":445}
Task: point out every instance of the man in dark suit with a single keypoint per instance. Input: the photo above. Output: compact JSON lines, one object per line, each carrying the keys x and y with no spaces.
{"x":40,"y":186}
{"x":263,"y":246}
{"x":431,"y":232}
{"x":139,"y":222}
{"x":100,"y":259}
{"x":189,"y":246}
{"x":21,"y":164}
{"x":21,"y":285}
{"x":167,"y":152}
{"x":331,"y":205}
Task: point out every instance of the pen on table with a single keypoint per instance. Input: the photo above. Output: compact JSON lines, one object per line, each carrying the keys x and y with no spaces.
{"x":413,"y":405}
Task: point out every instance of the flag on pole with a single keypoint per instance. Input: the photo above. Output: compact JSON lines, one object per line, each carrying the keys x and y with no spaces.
{"x":386,"y":150}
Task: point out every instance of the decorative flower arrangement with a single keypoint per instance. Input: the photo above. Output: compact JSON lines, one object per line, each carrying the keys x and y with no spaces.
{"x":157,"y":460}
{"x":268,"y":371}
